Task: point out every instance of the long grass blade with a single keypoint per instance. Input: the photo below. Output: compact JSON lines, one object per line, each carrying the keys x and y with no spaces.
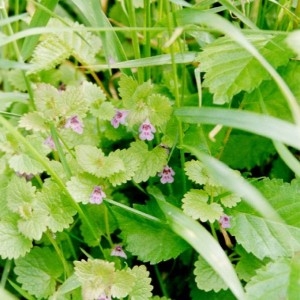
{"x":266,"y":126}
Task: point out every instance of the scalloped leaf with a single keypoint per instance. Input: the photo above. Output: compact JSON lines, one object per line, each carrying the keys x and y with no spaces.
{"x":158,"y":104}
{"x":80,"y":187}
{"x":96,"y":277}
{"x":38,"y":272}
{"x":123,"y":283}
{"x":23,"y":163}
{"x":270,"y":282}
{"x":33,"y":121}
{"x":196,"y":172}
{"x":142,"y":287}
{"x":93,"y":161}
{"x":149,"y":162}
{"x":206,"y":278}
{"x":231,"y":69}
{"x":195,"y":204}
{"x":13,"y":244}
{"x":57,"y":206}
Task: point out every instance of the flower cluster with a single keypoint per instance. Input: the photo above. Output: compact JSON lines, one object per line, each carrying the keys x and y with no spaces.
{"x":75,"y":124}
{"x":97,"y":195}
{"x":166,"y":175}
{"x":119,"y":118}
{"x":146,"y":131}
{"x":224,"y":221}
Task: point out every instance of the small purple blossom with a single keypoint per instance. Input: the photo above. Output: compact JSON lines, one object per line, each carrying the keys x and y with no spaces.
{"x":225,"y":221}
{"x":27,"y":176}
{"x":146,"y":131}
{"x":119,"y":118}
{"x":118,"y":251}
{"x":49,"y":142}
{"x":166,"y":175}
{"x":75,"y":124}
{"x":97,"y":195}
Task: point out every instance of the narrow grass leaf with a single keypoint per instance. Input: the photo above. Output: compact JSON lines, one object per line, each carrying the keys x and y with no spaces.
{"x":200,"y":239}
{"x":267,"y":126}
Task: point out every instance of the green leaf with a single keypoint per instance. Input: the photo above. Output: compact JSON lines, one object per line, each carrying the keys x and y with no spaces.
{"x":13,"y":244}
{"x":131,"y":164}
{"x":33,"y":121}
{"x":150,"y":241}
{"x":230,"y":68}
{"x":38,"y":272}
{"x":102,"y":222}
{"x":293,"y":41}
{"x":93,"y":161}
{"x":252,"y":150}
{"x":270,"y":281}
{"x":56,"y":205}
{"x":81,"y":187}
{"x":142,"y":287}
{"x":96,"y":277}
{"x":195,"y":205}
{"x":123,"y":283}
{"x":23,"y":163}
{"x":265,"y":238}
{"x":150,"y":162}
{"x":127,"y":88}
{"x":206,"y":278}
{"x":294,"y":287}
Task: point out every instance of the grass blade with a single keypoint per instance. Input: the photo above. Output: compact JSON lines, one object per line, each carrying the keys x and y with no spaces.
{"x":203,"y":242}
{"x":266,"y":126}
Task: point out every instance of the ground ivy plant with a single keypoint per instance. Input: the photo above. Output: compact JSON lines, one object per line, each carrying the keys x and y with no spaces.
{"x":149,"y":150}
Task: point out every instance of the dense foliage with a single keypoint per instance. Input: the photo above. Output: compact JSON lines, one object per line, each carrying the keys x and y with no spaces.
{"x":149,"y":149}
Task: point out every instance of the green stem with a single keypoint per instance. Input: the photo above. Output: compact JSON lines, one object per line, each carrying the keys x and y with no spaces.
{"x":60,"y":151}
{"x":135,"y":40}
{"x":106,"y":220}
{"x":5,"y":272}
{"x":170,"y":24}
{"x":147,"y":48}
{"x":161,"y":282}
{"x":60,"y":254}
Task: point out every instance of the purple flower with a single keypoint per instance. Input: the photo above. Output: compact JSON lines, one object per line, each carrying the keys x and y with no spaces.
{"x":75,"y":124}
{"x":146,"y":131}
{"x":225,"y":221}
{"x":50,"y":143}
{"x":119,"y":118}
{"x":97,"y":195}
{"x":166,"y":175}
{"x":118,"y":251}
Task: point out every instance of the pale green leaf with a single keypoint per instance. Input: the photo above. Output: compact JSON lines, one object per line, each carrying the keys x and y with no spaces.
{"x":48,"y":53}
{"x":142,"y":287}
{"x":293,"y":40}
{"x":33,"y":121}
{"x":270,"y":282}
{"x":13,"y":244}
{"x":196,"y":172}
{"x":56,"y":205}
{"x":20,"y":195}
{"x":96,"y":277}
{"x":81,"y":187}
{"x":230,"y":68}
{"x":265,"y":238}
{"x":127,"y":87}
{"x":23,"y":163}
{"x":230,"y":200}
{"x":150,"y":162}
{"x":195,"y":204}
{"x":206,"y":278}
{"x":92,"y":93}
{"x":38,"y":272}
{"x":123,"y":283}
{"x":104,"y":111}
{"x":130,"y":163}
{"x":160,"y":109}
